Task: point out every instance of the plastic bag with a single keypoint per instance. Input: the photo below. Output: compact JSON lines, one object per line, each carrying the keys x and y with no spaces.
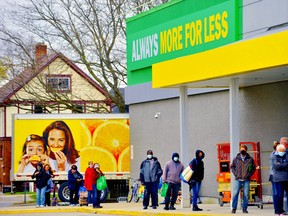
{"x":82,"y":192}
{"x":101,"y":183}
{"x":164,"y":190}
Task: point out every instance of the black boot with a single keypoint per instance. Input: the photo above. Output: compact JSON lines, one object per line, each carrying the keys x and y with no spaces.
{"x":166,"y":206}
{"x":172,"y":206}
{"x":196,"y":208}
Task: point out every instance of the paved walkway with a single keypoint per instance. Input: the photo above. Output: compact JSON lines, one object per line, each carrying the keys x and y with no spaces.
{"x":124,"y":208}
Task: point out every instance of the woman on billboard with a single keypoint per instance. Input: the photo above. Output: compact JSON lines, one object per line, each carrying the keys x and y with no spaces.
{"x":61,"y":146}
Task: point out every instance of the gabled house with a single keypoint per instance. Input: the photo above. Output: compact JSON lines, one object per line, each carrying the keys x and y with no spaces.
{"x":54,"y":85}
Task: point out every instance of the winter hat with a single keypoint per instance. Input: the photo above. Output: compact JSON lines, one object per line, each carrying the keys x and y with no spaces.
{"x":96,"y":166}
{"x":175,"y":155}
{"x":150,"y":152}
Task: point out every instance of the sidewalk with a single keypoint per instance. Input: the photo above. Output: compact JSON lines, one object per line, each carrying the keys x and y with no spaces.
{"x":124,"y":208}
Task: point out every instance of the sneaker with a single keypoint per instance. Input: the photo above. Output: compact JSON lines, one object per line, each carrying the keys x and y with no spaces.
{"x":90,"y":204}
{"x":154,"y":207}
{"x":41,"y":206}
{"x":37,"y":206}
{"x":233,"y":211}
{"x":144,"y":207}
{"x":71,"y":205}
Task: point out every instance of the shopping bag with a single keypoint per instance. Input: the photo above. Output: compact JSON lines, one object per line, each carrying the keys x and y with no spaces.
{"x":186,"y":174}
{"x":101,"y":183}
{"x":164,"y":190}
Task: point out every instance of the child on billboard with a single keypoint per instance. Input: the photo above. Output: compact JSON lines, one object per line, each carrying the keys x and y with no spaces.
{"x":33,"y":152}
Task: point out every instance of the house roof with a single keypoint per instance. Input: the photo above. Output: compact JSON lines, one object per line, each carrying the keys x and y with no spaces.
{"x":14,"y":85}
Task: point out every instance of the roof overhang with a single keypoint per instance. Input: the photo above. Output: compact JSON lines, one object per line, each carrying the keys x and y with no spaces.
{"x":255,"y":61}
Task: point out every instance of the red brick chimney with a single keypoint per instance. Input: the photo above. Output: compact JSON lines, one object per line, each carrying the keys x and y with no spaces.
{"x":40,"y":50}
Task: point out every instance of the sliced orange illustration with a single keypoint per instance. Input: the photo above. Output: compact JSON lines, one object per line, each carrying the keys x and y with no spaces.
{"x":124,"y":160}
{"x":55,"y":149}
{"x":92,"y":124}
{"x":85,"y":134}
{"x":112,"y":135}
{"x":100,"y":155}
{"x":35,"y":158}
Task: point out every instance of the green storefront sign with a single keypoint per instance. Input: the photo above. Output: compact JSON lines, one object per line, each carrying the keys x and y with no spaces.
{"x":177,"y":29}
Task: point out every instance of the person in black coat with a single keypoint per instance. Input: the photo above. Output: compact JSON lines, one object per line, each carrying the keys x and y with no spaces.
{"x":74,"y":182}
{"x":197,"y":166}
{"x":41,"y":183}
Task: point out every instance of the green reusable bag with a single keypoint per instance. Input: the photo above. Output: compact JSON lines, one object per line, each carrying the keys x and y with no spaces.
{"x":101,"y":183}
{"x":164,"y":190}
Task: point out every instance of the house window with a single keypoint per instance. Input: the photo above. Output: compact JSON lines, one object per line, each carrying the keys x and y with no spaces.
{"x":59,"y":83}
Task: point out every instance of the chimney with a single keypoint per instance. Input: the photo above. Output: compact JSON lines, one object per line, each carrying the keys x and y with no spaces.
{"x":40,"y":50}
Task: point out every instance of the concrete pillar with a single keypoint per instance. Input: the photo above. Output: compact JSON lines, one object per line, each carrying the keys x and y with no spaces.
{"x":234,"y":124}
{"x":184,"y":143}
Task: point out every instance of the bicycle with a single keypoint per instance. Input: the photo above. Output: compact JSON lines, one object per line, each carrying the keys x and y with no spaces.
{"x":136,"y":190}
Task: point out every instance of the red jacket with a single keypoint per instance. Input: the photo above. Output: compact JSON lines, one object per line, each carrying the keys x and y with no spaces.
{"x":90,"y":178}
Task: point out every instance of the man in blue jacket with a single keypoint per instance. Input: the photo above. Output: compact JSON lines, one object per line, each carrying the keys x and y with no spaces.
{"x":150,"y":173}
{"x":74,"y":182}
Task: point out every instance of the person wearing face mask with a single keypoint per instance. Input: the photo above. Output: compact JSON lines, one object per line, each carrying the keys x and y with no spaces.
{"x":243,"y":167}
{"x":90,"y":181}
{"x":197,"y":166}
{"x":41,"y":184}
{"x":280,"y":176}
{"x":150,"y":173}
{"x":171,"y":175}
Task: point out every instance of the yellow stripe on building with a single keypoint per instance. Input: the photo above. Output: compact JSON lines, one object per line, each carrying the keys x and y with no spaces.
{"x":238,"y":58}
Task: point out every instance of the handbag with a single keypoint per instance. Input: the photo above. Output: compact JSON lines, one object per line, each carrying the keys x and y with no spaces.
{"x":186,"y":174}
{"x":101,"y":183}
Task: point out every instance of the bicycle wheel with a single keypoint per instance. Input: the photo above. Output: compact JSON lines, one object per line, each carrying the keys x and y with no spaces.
{"x":130,"y":195}
{"x":136,"y":195}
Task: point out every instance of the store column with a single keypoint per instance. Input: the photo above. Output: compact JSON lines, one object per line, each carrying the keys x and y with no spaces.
{"x":184,"y":142}
{"x":234,"y":125}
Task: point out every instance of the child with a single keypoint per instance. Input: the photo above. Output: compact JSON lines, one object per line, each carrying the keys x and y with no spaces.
{"x":33,"y":152}
{"x":97,"y":194}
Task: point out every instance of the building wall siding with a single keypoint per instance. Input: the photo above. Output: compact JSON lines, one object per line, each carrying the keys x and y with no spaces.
{"x":263,"y":118}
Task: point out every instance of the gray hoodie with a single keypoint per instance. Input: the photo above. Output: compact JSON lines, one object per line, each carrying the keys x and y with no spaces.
{"x":172,"y":170}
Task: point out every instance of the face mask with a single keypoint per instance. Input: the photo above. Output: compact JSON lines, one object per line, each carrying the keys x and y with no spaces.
{"x":243,"y":152}
{"x":175,"y":159}
{"x":149,"y":156}
{"x":281,"y":154}
{"x":38,"y":168}
{"x":91,"y":166}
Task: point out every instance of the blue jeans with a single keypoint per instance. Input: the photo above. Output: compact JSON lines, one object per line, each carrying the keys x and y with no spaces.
{"x":96,"y":196}
{"x":237,"y":186}
{"x":151,"y":189}
{"x":196,"y":190}
{"x":40,"y":196}
{"x":90,"y":196}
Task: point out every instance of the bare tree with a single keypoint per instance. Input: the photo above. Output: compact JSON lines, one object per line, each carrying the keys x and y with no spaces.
{"x":92,"y":33}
